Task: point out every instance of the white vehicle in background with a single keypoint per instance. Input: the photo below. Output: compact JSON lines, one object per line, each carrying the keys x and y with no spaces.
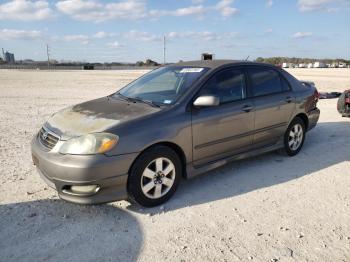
{"x":310,"y":65}
{"x":319,"y":65}
{"x":285,"y":65}
{"x":302,"y":66}
{"x":342,"y":65}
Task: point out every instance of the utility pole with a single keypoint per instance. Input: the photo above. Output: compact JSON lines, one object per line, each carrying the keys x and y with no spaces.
{"x":48,"y":56}
{"x":164,"y":50}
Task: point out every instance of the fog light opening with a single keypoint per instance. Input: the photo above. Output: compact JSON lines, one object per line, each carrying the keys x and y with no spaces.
{"x":82,"y":190}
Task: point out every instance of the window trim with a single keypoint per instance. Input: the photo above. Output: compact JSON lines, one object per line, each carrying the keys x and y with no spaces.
{"x":238,"y":68}
{"x":250,"y":86}
{"x":285,"y":79}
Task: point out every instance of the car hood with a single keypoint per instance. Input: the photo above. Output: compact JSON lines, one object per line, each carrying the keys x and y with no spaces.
{"x":96,"y":115}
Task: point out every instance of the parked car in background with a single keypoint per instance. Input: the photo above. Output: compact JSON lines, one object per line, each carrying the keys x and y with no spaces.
{"x":175,"y":122}
{"x":343,"y":105}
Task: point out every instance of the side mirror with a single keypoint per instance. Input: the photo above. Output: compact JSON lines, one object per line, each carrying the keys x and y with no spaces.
{"x":206,"y":101}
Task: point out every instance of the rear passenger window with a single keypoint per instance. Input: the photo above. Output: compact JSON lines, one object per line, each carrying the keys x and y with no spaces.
{"x":285,"y":84}
{"x":228,"y":85}
{"x":265,"y":81}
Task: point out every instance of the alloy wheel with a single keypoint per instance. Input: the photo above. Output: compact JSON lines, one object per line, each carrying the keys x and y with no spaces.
{"x":295,"y":137}
{"x":158,"y":178}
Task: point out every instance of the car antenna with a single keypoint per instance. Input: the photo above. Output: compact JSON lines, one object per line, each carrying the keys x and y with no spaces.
{"x":247,"y":58}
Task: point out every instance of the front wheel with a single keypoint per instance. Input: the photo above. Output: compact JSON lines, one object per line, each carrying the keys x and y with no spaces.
{"x":154,"y":176}
{"x":294,"y":137}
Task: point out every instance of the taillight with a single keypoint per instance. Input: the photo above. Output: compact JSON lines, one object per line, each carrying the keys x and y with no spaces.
{"x":316,"y":94}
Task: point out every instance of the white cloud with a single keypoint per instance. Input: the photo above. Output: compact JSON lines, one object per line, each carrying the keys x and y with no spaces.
{"x":114,"y":44}
{"x":197,"y":1}
{"x":142,"y":36}
{"x":93,"y":10}
{"x":11,"y":34}
{"x":320,"y":5}
{"x":191,"y":10}
{"x":269,"y":3}
{"x":186,"y":11}
{"x":302,"y":35}
{"x":204,"y":35}
{"x":25,"y":10}
{"x":84,"y":39}
{"x":225,"y":8}
{"x":102,"y":34}
{"x":99,"y":11}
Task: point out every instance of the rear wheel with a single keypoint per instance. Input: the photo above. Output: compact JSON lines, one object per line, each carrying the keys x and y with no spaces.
{"x":154,"y":176}
{"x":294,"y":137}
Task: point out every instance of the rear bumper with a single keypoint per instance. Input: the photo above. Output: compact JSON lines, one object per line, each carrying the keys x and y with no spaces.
{"x":313,"y":116}
{"x":61,"y":172}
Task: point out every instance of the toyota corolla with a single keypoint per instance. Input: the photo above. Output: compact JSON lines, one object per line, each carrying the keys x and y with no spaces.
{"x":174,"y":122}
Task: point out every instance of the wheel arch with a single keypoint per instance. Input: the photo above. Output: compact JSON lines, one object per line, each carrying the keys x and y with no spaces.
{"x":305,"y":119}
{"x":176,"y":148}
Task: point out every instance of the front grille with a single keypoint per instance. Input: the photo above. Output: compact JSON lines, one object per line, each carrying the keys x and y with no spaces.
{"x":47,"y":138}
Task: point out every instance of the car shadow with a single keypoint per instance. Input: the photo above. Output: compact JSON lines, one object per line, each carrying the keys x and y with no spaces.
{"x":54,"y":230}
{"x":326,"y":145}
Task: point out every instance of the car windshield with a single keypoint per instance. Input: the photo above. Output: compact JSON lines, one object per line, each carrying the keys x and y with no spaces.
{"x":163,"y":85}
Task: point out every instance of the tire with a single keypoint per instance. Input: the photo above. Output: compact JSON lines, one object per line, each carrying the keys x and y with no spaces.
{"x":150,"y":182}
{"x":292,"y":146}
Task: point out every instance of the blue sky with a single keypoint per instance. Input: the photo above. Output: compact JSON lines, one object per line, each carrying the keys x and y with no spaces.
{"x":127,"y":31}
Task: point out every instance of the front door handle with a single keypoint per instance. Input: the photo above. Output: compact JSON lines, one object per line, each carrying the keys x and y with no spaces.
{"x":289,"y":99}
{"x":247,"y":108}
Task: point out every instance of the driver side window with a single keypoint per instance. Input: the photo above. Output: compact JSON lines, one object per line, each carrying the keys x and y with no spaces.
{"x":228,"y":85}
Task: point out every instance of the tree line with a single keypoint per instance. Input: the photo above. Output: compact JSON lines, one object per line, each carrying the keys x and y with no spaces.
{"x":298,"y":60}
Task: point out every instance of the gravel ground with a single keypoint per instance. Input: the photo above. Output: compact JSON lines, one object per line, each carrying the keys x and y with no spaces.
{"x":268,"y":208}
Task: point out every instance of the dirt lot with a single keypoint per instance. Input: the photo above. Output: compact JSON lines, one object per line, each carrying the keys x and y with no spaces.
{"x":269,"y":208}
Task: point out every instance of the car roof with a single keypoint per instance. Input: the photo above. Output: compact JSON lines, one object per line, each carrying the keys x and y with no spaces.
{"x":213,"y":64}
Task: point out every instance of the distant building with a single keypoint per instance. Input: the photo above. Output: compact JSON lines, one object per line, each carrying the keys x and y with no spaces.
{"x":288,"y":65}
{"x":319,"y":65}
{"x":9,"y":57}
{"x":342,"y":65}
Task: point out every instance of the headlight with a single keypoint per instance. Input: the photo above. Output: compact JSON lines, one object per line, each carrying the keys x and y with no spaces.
{"x":89,"y":144}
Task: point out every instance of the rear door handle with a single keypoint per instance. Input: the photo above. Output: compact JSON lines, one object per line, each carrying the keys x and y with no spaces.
{"x":247,"y":108}
{"x":289,"y":99}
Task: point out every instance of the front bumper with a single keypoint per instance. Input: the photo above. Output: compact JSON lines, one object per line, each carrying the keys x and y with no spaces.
{"x":62,"y":172}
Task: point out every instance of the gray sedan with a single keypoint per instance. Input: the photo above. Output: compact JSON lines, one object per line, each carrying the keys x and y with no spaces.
{"x":175,"y":122}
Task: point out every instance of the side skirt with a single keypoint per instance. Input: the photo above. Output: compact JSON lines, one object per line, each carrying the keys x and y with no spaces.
{"x":193,"y":171}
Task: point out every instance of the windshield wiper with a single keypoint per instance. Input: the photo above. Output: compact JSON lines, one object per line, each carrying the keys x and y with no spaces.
{"x":148,"y":102}
{"x":126,"y":98}
{"x":137,"y":99}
